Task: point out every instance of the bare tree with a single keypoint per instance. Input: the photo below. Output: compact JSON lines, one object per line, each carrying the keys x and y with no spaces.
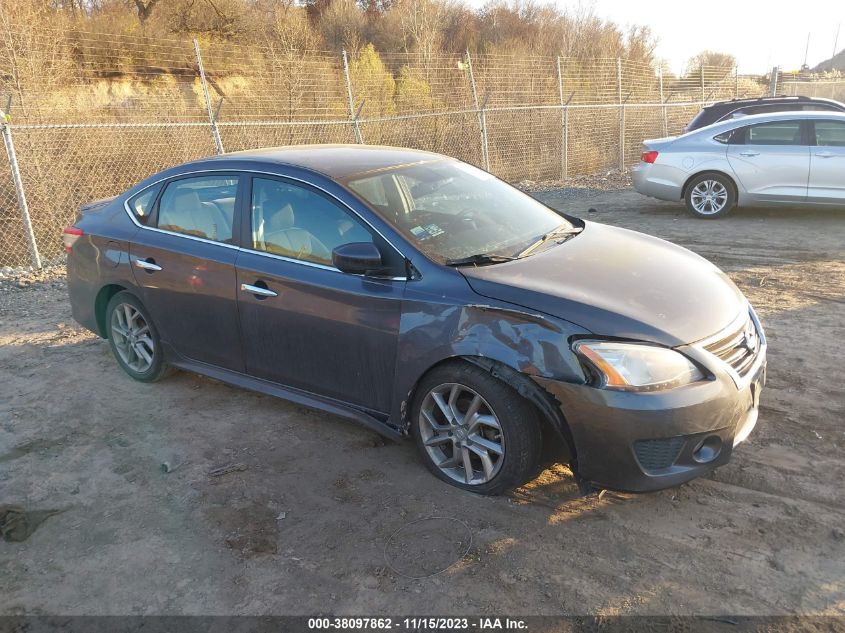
{"x":145,"y":9}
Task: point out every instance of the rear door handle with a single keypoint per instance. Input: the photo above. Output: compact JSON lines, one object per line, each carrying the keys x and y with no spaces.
{"x":749,"y":153}
{"x":825,"y":154}
{"x":147,"y":264}
{"x":258,"y":291}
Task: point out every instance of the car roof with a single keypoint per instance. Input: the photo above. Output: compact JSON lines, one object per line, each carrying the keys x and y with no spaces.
{"x":730,"y":124}
{"x":739,"y":103}
{"x":335,"y":161}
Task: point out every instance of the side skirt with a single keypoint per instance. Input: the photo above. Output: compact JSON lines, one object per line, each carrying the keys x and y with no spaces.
{"x":291,"y":394}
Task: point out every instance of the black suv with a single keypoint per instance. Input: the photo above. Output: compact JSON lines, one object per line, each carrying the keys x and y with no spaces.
{"x":723,"y":110}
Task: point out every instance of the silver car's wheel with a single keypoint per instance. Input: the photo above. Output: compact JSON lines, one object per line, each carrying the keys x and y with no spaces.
{"x":709,"y":197}
{"x":461,"y":434}
{"x":132,"y":338}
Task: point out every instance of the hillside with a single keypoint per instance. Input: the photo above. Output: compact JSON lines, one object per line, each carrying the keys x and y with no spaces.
{"x":837,"y":62}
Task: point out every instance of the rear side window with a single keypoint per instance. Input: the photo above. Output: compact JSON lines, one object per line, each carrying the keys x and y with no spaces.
{"x":201,"y":207}
{"x":766,"y":109}
{"x":141,"y":204}
{"x":704,"y":117}
{"x":830,"y":133}
{"x":773,"y":133}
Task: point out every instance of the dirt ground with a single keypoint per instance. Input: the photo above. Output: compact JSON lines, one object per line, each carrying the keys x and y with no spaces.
{"x":322,"y":516}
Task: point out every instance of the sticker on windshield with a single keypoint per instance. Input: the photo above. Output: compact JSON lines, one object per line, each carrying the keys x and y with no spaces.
{"x":433,"y":230}
{"x":423,"y":233}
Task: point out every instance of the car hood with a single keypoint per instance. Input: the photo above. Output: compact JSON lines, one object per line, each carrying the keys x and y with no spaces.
{"x":616,"y":282}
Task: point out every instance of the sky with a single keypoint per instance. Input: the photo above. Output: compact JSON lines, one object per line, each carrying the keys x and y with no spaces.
{"x":759,"y":34}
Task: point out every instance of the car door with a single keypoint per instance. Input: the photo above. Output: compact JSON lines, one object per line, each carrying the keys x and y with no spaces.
{"x":304,"y":323}
{"x":772,"y":160}
{"x":183,"y":258}
{"x":827,"y":162}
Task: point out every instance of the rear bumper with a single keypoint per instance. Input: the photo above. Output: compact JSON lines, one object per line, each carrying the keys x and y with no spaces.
{"x":640,"y":442}
{"x":657,"y":181}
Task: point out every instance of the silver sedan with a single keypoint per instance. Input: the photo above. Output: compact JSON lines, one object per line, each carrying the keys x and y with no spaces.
{"x":784,"y":158}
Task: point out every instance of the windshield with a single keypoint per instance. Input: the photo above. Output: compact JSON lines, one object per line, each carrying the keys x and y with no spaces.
{"x":452,"y":210}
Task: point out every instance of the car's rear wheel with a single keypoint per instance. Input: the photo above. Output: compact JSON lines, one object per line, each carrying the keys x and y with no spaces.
{"x":134,"y":339}
{"x":710,"y":196}
{"x":475,"y":432}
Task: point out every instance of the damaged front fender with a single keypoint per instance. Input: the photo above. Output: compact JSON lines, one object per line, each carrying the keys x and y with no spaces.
{"x":510,"y":342}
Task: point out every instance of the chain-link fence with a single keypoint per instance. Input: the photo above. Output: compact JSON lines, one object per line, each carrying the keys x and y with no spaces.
{"x":92,"y":114}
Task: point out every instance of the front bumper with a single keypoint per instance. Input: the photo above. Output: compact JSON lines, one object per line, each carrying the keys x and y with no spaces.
{"x":640,"y":442}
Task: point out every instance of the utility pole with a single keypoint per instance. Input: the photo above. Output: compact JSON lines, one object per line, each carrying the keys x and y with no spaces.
{"x":806,"y":52}
{"x":835,"y":45}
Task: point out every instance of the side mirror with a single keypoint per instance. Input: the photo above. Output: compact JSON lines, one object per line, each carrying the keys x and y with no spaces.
{"x":357,"y":258}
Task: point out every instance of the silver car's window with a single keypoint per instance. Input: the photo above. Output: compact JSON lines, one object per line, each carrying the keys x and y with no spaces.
{"x":452,"y":210}
{"x":202,"y":207}
{"x":774,"y":133}
{"x":300,"y":223}
{"x":830,"y":133}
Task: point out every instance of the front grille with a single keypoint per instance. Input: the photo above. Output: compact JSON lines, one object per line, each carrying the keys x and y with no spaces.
{"x":658,"y":454}
{"x":739,"y":347}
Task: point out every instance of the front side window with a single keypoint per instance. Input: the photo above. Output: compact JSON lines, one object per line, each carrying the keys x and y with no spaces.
{"x":300,"y":223}
{"x":141,"y":204}
{"x":201,"y":207}
{"x":830,"y":133}
{"x":774,"y":133}
{"x":451,"y":210}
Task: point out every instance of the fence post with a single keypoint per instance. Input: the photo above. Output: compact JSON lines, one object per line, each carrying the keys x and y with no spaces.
{"x":6,"y":127}
{"x":773,"y":82}
{"x":736,"y":81}
{"x":564,"y":124}
{"x":621,"y":115}
{"x":663,"y":102}
{"x":482,"y":117}
{"x":212,"y":120}
{"x":701,"y":80}
{"x":356,"y":128}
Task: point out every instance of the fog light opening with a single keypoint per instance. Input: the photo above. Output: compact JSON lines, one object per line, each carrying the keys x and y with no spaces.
{"x":708,"y":449}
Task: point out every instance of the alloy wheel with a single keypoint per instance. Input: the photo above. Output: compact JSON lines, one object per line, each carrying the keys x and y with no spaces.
{"x":709,"y":197}
{"x":132,"y":337}
{"x":461,"y":434}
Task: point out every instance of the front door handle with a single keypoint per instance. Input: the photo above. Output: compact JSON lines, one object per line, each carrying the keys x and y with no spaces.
{"x":258,"y":291}
{"x":749,"y":152}
{"x":825,"y":154}
{"x":148,"y":264}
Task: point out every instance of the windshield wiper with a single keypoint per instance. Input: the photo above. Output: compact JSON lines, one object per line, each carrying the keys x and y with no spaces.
{"x":479,"y":259}
{"x":559,"y":232}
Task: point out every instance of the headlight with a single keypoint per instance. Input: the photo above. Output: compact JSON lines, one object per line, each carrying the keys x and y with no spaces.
{"x":636,"y":367}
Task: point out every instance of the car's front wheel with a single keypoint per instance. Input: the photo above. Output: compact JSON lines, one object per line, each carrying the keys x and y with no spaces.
{"x":134,"y":339}
{"x":710,"y":196}
{"x":474,"y":431}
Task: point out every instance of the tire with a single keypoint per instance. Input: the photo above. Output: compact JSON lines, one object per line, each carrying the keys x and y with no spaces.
{"x":444,"y":443}
{"x":710,"y":195}
{"x":143,"y":360}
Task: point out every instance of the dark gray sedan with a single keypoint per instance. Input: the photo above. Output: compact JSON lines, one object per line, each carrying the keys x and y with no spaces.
{"x":419,"y":295}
